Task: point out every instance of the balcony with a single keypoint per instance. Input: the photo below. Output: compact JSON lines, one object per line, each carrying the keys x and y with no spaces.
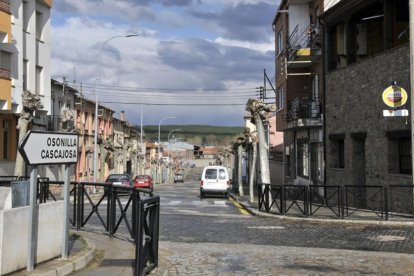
{"x":304,"y":47}
{"x":303,"y":112}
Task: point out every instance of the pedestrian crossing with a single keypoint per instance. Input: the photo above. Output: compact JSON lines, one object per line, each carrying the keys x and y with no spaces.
{"x":196,"y":203}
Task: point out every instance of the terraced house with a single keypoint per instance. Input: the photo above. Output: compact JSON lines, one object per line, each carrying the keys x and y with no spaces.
{"x":24,"y":65}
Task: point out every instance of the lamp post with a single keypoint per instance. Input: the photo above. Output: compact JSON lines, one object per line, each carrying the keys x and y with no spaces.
{"x":159,"y":136}
{"x":95,"y":138}
{"x":169,"y":146}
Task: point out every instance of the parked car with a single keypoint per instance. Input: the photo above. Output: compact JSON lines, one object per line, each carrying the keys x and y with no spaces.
{"x":121,"y":179}
{"x":144,"y":181}
{"x":192,"y":165}
{"x":178,"y":177}
{"x":214,"y":180}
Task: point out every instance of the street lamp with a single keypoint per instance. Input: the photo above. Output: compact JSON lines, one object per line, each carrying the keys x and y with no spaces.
{"x":159,"y":135}
{"x":169,"y":146}
{"x":95,"y":140}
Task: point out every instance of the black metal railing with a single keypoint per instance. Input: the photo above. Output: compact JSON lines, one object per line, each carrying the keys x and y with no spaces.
{"x":309,"y":37}
{"x":303,"y":108}
{"x":348,"y":201}
{"x":105,"y":206}
{"x":147,"y":235}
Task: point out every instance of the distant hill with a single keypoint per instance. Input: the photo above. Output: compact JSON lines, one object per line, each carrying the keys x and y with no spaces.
{"x":195,"y":134}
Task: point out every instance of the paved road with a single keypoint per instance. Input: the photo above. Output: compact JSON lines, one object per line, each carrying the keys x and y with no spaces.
{"x":211,"y":236}
{"x":187,"y":218}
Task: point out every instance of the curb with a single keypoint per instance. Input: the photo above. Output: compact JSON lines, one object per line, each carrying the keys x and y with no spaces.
{"x":74,"y":263}
{"x":256,"y":212}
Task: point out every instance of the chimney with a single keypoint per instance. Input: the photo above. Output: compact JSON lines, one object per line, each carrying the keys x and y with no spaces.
{"x":122,"y":116}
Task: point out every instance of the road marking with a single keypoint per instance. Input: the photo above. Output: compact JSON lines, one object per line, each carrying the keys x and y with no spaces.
{"x":174,"y":202}
{"x":241,"y":209}
{"x":266,"y":227}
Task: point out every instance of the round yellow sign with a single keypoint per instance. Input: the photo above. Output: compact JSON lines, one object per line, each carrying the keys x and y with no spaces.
{"x":394,"y":96}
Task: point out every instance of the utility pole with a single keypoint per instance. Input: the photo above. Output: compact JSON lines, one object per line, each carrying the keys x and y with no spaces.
{"x":411,"y":27}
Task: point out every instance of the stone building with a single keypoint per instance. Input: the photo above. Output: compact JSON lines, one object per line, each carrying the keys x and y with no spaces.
{"x":367,"y":51}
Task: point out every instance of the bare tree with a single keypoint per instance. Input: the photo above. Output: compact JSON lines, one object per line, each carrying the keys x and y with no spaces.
{"x":31,"y":103}
{"x":259,"y":112}
{"x":252,"y":138}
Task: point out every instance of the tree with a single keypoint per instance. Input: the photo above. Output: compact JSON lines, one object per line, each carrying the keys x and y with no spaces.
{"x":31,"y":103}
{"x":259,"y":112}
{"x":252,"y":138}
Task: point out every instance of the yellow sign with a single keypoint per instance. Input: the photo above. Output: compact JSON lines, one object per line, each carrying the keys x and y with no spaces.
{"x":394,"y":96}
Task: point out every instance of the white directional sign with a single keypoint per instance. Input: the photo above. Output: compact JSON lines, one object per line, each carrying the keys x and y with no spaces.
{"x":42,"y":148}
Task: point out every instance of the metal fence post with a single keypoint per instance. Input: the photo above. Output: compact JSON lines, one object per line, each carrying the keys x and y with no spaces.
{"x":386,"y":202}
{"x":139,"y":234}
{"x":283,"y":200}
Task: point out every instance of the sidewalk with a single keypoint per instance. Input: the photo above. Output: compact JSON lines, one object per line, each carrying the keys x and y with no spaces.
{"x":323,"y":214}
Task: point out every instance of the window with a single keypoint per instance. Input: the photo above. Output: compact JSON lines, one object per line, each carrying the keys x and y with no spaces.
{"x":6,"y":130}
{"x":405,"y":155}
{"x":5,"y":60}
{"x":303,"y":160}
{"x":279,"y":42}
{"x":39,"y":80}
{"x":338,"y":153}
{"x":39,"y":25}
{"x":26,"y":16}
{"x":211,"y":174}
{"x":222,"y":174}
{"x":399,"y":155}
{"x":280,"y":99}
{"x":25,"y":74}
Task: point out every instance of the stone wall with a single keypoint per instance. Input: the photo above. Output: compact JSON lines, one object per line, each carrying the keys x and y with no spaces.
{"x":354,"y":112}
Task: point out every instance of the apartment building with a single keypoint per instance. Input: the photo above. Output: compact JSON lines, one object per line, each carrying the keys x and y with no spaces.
{"x":367,"y":51}
{"x":85,"y":126}
{"x":25,"y":52}
{"x":299,"y":89}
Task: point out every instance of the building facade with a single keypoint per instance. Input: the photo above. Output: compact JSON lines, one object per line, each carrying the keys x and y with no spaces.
{"x":299,"y":89}
{"x":367,"y":51}
{"x":25,"y":54}
{"x":85,"y":126}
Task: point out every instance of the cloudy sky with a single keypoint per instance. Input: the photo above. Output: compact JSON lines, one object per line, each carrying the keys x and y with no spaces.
{"x":196,"y":60}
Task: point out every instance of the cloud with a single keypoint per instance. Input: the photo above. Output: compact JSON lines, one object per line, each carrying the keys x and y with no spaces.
{"x":196,"y":61}
{"x":243,"y":22}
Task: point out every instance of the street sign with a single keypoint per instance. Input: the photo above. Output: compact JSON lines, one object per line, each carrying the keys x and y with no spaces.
{"x":46,"y":148}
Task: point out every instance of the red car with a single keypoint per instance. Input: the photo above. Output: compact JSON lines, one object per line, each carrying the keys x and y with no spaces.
{"x":144,"y":181}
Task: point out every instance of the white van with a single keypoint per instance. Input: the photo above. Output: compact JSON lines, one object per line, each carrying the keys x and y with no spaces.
{"x":215,"y":180}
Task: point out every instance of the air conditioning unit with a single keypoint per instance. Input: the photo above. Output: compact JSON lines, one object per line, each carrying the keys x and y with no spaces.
{"x":101,"y":112}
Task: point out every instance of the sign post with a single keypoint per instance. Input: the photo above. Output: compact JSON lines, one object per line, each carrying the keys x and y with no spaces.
{"x":46,"y":148}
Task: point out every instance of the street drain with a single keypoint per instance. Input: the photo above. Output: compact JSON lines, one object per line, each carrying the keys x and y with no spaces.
{"x":387,"y":238}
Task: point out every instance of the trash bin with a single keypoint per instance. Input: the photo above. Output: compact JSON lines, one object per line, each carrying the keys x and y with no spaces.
{"x":20,"y":193}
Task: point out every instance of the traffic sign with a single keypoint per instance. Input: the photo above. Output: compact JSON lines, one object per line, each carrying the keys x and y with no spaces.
{"x":46,"y":148}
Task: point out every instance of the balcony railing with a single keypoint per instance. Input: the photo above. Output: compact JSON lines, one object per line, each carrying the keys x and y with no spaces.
{"x":5,"y":6}
{"x":301,"y":39}
{"x":303,"y":108}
